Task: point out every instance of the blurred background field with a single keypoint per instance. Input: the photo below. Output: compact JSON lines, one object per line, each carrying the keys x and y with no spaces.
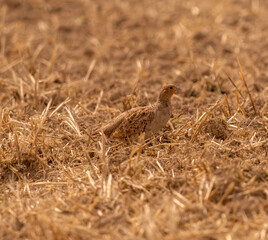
{"x":68,"y":67}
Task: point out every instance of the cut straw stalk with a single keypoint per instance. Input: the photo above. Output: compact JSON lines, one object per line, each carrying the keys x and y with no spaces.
{"x":98,"y":102}
{"x":71,"y":122}
{"x":59,"y":106}
{"x":90,"y":70}
{"x":10,"y":65}
{"x":230,"y":79}
{"x":204,"y":118}
{"x":36,"y":90}
{"x":52,"y":59}
{"x":43,"y":119}
{"x":246,"y":85}
{"x":227,"y":192}
{"x":17,"y":146}
{"x":228,"y":106}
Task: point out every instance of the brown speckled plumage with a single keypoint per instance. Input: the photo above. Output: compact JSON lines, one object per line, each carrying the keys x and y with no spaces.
{"x":149,"y":119}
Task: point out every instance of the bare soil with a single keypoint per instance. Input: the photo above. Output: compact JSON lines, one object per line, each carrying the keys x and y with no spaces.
{"x":69,"y":67}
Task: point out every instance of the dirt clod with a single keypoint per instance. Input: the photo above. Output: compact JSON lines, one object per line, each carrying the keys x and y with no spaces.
{"x":217,"y":128}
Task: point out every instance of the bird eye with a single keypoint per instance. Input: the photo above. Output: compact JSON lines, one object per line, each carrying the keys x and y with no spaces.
{"x":170,"y":87}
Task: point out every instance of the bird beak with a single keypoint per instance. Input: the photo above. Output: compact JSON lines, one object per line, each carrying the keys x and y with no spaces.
{"x":177,"y":89}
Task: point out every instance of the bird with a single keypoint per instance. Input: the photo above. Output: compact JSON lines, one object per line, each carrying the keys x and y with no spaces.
{"x":147,"y":119}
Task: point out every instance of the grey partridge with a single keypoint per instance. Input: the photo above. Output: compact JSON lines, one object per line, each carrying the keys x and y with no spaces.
{"x":148,"y":119}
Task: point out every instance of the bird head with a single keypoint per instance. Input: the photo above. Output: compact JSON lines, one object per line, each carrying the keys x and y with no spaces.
{"x":167,"y":92}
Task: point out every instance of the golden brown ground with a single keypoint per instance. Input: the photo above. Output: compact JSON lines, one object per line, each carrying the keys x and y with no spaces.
{"x":68,"y":67}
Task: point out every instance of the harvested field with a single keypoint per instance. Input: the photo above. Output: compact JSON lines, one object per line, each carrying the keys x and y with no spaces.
{"x":69,"y":67}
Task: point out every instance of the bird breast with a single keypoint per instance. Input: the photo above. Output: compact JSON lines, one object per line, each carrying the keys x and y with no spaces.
{"x":162,"y":115}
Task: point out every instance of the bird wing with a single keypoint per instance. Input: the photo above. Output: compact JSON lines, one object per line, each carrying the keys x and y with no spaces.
{"x":135,"y":122}
{"x":112,"y":126}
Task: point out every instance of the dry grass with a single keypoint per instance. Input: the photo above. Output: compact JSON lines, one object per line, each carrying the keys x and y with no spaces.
{"x":67,"y":67}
